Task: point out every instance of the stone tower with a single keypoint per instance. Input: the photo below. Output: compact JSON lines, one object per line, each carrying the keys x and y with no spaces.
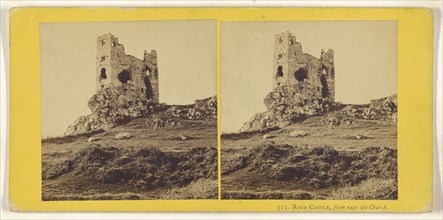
{"x":312,"y":77}
{"x":115,"y":68}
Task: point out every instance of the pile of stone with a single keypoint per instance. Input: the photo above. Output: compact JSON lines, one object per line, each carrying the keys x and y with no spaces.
{"x":112,"y":106}
{"x":203,"y":109}
{"x":384,"y":109}
{"x":334,"y":120}
{"x":157,"y":121}
{"x":286,"y":105}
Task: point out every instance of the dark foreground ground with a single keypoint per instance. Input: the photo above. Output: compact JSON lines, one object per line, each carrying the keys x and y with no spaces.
{"x":176,"y":161}
{"x":353,"y":161}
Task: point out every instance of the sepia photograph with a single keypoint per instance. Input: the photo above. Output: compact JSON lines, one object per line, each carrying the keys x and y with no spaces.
{"x":129,"y":110}
{"x":309,"y":110}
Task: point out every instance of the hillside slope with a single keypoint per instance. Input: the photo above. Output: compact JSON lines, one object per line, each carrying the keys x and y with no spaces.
{"x":330,"y":156}
{"x":150,"y":157}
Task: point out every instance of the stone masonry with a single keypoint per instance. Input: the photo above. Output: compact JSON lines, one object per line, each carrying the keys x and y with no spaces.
{"x":117,"y":69}
{"x":310,"y":76}
{"x":303,"y":85}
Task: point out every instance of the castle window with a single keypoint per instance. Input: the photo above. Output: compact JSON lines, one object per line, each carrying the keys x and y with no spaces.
{"x":301,"y":74}
{"x":324,"y":86}
{"x":148,"y":71}
{"x":291,"y":42}
{"x":280,"y":56}
{"x":102,"y":58}
{"x":279,"y":71}
{"x":148,"y":92}
{"x":124,"y":76}
{"x":103,"y":42}
{"x":113,"y":44}
{"x":103,"y":74}
{"x":280,"y":40}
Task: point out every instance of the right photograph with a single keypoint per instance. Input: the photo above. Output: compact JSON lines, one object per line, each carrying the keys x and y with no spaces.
{"x":309,"y":110}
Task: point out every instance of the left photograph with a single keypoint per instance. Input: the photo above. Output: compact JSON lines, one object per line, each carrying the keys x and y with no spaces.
{"x":129,"y":110}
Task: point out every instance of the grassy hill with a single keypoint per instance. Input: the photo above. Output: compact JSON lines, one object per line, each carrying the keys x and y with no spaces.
{"x":173,"y":160}
{"x":311,"y":159}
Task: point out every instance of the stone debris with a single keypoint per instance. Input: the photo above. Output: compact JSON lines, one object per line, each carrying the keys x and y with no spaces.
{"x":298,"y":133}
{"x":92,"y":139}
{"x":286,"y":108}
{"x":203,"y":109}
{"x":384,"y":109}
{"x":112,"y":106}
{"x":359,"y":137}
{"x":268,"y":136}
{"x":333,"y":120}
{"x":122,"y":135}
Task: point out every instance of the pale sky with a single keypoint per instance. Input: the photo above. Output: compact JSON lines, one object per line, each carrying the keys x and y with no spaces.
{"x":186,"y":53}
{"x":365,"y":62}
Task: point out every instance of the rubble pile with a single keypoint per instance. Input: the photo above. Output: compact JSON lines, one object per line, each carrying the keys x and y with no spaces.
{"x":287,"y":105}
{"x":203,"y":109}
{"x":112,"y":106}
{"x":384,"y":109}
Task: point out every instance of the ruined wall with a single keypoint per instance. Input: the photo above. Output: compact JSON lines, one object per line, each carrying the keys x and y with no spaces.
{"x":311,"y":77}
{"x":116,"y":68}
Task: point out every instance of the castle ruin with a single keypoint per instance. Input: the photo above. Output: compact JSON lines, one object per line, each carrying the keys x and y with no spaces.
{"x":117,"y":69}
{"x":312,"y":77}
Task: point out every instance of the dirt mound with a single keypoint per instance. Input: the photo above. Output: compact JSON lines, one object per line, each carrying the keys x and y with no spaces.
{"x":138,"y":168}
{"x":316,"y":167}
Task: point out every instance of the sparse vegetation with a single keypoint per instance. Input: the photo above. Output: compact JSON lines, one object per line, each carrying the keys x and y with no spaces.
{"x":142,"y":167}
{"x":356,"y":160}
{"x":371,"y":189}
{"x":198,"y":189}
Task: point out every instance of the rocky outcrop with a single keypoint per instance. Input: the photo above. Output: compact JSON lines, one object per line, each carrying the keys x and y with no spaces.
{"x":203,"y":109}
{"x":286,"y":105}
{"x":384,"y":109}
{"x":112,"y":106}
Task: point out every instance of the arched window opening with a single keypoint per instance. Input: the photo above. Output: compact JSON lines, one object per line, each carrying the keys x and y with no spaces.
{"x":279,"y":71}
{"x":301,"y":74}
{"x":103,"y":42}
{"x":124,"y":76}
{"x":103,"y":74}
{"x":324,"y":86}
